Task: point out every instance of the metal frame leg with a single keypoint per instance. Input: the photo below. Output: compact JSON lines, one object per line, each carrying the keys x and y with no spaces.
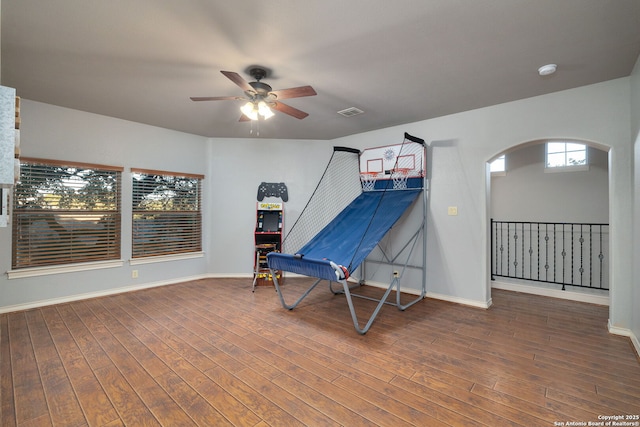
{"x":255,"y":271}
{"x":340,"y":292}
{"x":346,"y":290}
{"x":279,"y":291}
{"x":373,"y":316}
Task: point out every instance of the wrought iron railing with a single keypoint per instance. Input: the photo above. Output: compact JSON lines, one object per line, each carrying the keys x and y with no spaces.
{"x":568,"y":254}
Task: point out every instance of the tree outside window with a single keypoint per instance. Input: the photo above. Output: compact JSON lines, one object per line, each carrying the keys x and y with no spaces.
{"x":167,"y":217}
{"x":565,"y":155}
{"x":65,"y":213}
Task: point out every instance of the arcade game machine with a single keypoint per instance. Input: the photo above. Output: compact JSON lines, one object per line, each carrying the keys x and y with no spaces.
{"x":267,"y":238}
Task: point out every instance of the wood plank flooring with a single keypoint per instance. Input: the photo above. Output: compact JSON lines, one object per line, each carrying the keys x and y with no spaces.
{"x":212,"y":353}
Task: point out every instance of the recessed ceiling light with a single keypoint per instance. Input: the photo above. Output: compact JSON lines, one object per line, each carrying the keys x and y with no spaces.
{"x":545,"y":70}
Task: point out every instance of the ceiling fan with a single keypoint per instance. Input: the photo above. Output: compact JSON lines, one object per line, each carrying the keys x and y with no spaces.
{"x":260,"y":97}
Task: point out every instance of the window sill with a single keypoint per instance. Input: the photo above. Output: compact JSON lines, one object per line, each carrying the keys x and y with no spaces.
{"x":60,"y":269}
{"x":163,"y":258}
{"x":566,"y":169}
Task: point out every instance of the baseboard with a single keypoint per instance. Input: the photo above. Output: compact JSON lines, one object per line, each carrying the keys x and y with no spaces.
{"x":229,"y":276}
{"x":615,"y":330}
{"x":107,"y":292}
{"x":411,"y":291}
{"x":449,"y":298}
{"x":248,"y":275}
{"x":553,"y":293}
{"x":381,"y":285}
{"x":636,"y":344}
{"x":113,"y":291}
{"x":463,"y":301}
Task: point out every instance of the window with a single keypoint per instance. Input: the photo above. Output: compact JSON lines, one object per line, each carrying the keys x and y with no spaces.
{"x":65,"y":213}
{"x":167,"y":217}
{"x":498,"y":166}
{"x":565,"y":155}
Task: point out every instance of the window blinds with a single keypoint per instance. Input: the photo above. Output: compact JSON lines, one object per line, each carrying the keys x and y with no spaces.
{"x":167,"y":217}
{"x":65,"y":212}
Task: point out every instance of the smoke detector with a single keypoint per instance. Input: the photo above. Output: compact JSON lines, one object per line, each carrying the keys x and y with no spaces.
{"x":548,"y":69}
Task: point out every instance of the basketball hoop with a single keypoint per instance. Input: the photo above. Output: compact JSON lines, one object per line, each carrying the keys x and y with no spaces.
{"x":368,"y":180}
{"x":399,"y":177}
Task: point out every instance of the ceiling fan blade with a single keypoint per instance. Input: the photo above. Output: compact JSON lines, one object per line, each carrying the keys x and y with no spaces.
{"x":244,"y":118}
{"x":294,"y":92}
{"x":215,"y":98}
{"x":287,"y":109}
{"x":237,"y":79}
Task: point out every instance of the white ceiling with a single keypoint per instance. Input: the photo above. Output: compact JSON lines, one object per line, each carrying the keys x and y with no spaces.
{"x":399,"y":61}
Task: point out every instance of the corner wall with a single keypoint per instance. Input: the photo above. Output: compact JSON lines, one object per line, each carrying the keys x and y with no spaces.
{"x":461,"y":144}
{"x":459,"y":147}
{"x":635,"y":140}
{"x":52,"y":132}
{"x":233,"y":169}
{"x":237,"y":167}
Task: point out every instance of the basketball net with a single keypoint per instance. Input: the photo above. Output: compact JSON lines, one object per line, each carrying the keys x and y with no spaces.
{"x":399,"y":177}
{"x":368,"y":180}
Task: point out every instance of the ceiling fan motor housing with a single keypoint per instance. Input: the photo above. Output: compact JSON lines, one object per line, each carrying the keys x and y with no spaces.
{"x":261,"y":89}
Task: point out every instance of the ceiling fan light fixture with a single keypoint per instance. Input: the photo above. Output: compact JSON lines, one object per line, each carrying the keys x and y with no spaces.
{"x":249,"y":110}
{"x":254,"y":109}
{"x":264,"y":110}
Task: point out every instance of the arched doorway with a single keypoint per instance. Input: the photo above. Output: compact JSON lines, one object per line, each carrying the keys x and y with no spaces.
{"x":549,"y":231}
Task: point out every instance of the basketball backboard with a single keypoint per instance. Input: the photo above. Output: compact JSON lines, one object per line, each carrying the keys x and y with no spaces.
{"x":384,"y":160}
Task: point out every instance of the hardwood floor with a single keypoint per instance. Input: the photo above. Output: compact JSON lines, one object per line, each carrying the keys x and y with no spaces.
{"x":212,"y":353}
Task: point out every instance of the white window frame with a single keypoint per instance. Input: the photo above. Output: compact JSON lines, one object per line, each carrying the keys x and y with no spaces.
{"x":60,"y":228}
{"x":178,"y":230}
{"x":565,"y":167}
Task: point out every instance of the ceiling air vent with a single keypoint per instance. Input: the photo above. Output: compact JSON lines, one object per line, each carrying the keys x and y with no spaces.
{"x":350,"y":112}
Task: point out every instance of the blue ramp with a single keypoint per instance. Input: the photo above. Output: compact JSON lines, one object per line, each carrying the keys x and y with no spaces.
{"x":349,"y":238}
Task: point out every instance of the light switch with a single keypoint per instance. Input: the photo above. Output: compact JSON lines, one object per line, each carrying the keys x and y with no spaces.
{"x":452,"y":210}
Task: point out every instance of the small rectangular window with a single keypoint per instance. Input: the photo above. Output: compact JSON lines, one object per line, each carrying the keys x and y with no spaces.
{"x":498,"y":166}
{"x":167,"y":214}
{"x":566,"y":155}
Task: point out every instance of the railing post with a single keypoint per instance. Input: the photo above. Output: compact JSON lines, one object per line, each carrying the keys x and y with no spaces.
{"x":493,"y":277}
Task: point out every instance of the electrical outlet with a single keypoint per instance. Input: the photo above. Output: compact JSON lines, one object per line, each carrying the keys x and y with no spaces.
{"x":134,"y":274}
{"x":452,"y":210}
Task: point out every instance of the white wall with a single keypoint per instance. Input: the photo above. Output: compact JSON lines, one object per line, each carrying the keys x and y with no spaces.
{"x":52,"y":132}
{"x":237,"y":168}
{"x":233,"y":170}
{"x":529,"y":193}
{"x":460,"y":146}
{"x":635,"y":138}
